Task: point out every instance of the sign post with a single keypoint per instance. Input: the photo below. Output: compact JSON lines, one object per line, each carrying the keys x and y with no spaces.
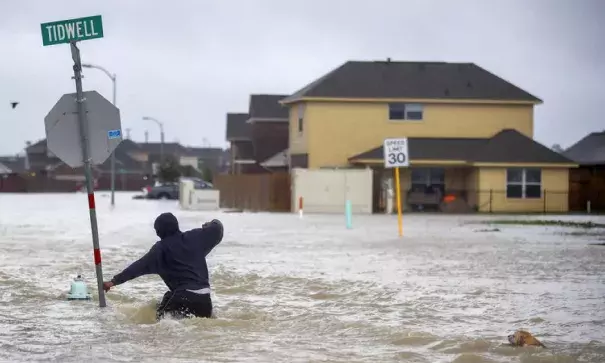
{"x":396,"y":156}
{"x":82,"y":129}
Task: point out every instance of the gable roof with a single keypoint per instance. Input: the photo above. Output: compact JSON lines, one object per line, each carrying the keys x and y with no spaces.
{"x":423,"y":80}
{"x":511,"y":146}
{"x":267,"y":107}
{"x":173,"y":148}
{"x":4,"y":169}
{"x":128,"y":145}
{"x":12,"y":164}
{"x":590,"y":150}
{"x":278,"y":160}
{"x":237,"y":128}
{"x":205,"y":152}
{"x":37,"y":147}
{"x":507,"y":146}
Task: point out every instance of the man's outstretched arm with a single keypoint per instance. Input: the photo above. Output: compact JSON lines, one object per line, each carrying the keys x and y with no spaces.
{"x":148,"y":264}
{"x":210,"y":235}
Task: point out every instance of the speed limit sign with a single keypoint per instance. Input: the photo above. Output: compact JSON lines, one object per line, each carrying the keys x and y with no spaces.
{"x":396,"y":153}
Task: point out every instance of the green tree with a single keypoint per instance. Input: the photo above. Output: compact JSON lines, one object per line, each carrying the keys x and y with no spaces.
{"x":169,"y":171}
{"x":207,"y":174}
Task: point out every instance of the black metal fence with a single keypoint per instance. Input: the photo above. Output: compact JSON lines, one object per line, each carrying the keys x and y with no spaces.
{"x":485,"y":201}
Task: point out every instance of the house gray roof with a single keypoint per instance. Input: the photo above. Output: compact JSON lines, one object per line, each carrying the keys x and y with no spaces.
{"x":507,"y":146}
{"x":267,"y":107}
{"x":123,"y":158}
{"x":173,"y":148}
{"x":278,"y":160}
{"x":428,"y":80}
{"x":590,"y":150}
{"x":205,"y":152}
{"x":4,"y":169}
{"x":12,"y":164}
{"x":38,"y":147}
{"x":128,"y":145}
{"x":237,"y":128}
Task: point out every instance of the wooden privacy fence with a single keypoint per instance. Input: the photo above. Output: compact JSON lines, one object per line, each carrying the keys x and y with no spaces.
{"x":587,"y":184}
{"x":257,"y":192}
{"x":580,"y":193}
{"x":35,"y":184}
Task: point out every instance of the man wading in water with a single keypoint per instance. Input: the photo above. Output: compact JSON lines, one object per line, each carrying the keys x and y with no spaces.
{"x":180,"y":260}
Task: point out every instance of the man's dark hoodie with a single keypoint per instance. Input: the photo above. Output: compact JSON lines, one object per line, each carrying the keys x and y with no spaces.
{"x":179,"y":257}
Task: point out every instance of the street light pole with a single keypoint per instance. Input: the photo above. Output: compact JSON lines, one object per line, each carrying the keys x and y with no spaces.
{"x":161,"y":135}
{"x":113,"y":154}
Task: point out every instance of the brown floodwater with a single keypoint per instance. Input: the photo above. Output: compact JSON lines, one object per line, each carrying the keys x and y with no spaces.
{"x":287,"y":289}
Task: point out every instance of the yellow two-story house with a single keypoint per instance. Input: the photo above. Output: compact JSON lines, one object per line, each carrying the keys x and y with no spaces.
{"x":470,"y":134}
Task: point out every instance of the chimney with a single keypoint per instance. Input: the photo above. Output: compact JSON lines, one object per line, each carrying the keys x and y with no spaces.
{"x":128,"y":133}
{"x":146,"y":136}
{"x":389,"y":60}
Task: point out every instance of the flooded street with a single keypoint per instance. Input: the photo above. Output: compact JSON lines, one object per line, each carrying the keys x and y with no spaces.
{"x":292,"y":290}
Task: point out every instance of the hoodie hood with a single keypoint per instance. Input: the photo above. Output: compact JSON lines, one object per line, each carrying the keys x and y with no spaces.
{"x":166,"y":225}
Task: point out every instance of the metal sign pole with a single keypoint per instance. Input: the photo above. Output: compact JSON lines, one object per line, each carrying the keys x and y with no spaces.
{"x":83,"y":126}
{"x":113,"y":154}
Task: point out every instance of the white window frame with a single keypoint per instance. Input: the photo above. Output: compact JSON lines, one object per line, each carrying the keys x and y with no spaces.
{"x":524,"y":183}
{"x":407,"y":107}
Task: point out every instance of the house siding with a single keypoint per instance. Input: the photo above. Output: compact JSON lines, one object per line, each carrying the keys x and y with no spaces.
{"x":492,"y":195}
{"x":360,"y":126}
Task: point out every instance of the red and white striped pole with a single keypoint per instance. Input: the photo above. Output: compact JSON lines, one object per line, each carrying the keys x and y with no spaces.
{"x":300,"y":207}
{"x":83,"y":126}
{"x":96,"y":250}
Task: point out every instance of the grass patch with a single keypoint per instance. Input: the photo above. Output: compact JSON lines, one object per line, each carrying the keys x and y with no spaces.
{"x":597,"y":233}
{"x":536,"y":222}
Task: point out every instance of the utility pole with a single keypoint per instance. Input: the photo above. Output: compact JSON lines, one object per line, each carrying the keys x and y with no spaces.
{"x":161,"y":136}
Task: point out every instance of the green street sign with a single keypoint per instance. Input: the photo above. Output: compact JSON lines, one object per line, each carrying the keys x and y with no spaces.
{"x":66,"y":31}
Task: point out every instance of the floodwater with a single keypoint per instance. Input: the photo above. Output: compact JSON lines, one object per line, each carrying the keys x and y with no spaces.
{"x":301,"y":290}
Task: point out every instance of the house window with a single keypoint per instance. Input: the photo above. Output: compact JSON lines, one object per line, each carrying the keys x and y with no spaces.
{"x":405,"y":111}
{"x":524,"y":183}
{"x":301,"y":114}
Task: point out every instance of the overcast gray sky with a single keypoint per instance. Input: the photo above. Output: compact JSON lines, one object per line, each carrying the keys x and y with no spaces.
{"x":187,"y":63}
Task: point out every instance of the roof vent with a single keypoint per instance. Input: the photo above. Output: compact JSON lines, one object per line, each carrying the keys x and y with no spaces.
{"x":389,"y":60}
{"x":469,"y":84}
{"x":422,"y":66}
{"x":447,"y":92}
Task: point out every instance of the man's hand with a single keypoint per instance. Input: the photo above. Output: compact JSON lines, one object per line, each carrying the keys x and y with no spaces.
{"x":107,"y":285}
{"x":209,"y":224}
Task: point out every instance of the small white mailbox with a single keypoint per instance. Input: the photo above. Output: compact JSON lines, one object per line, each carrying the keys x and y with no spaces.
{"x":191,"y":197}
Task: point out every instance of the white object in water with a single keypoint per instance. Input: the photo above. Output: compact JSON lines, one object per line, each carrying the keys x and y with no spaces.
{"x":78,"y":290}
{"x":193,"y":196}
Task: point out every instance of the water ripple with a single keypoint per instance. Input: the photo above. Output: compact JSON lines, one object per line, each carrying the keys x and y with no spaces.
{"x":294,"y":290}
